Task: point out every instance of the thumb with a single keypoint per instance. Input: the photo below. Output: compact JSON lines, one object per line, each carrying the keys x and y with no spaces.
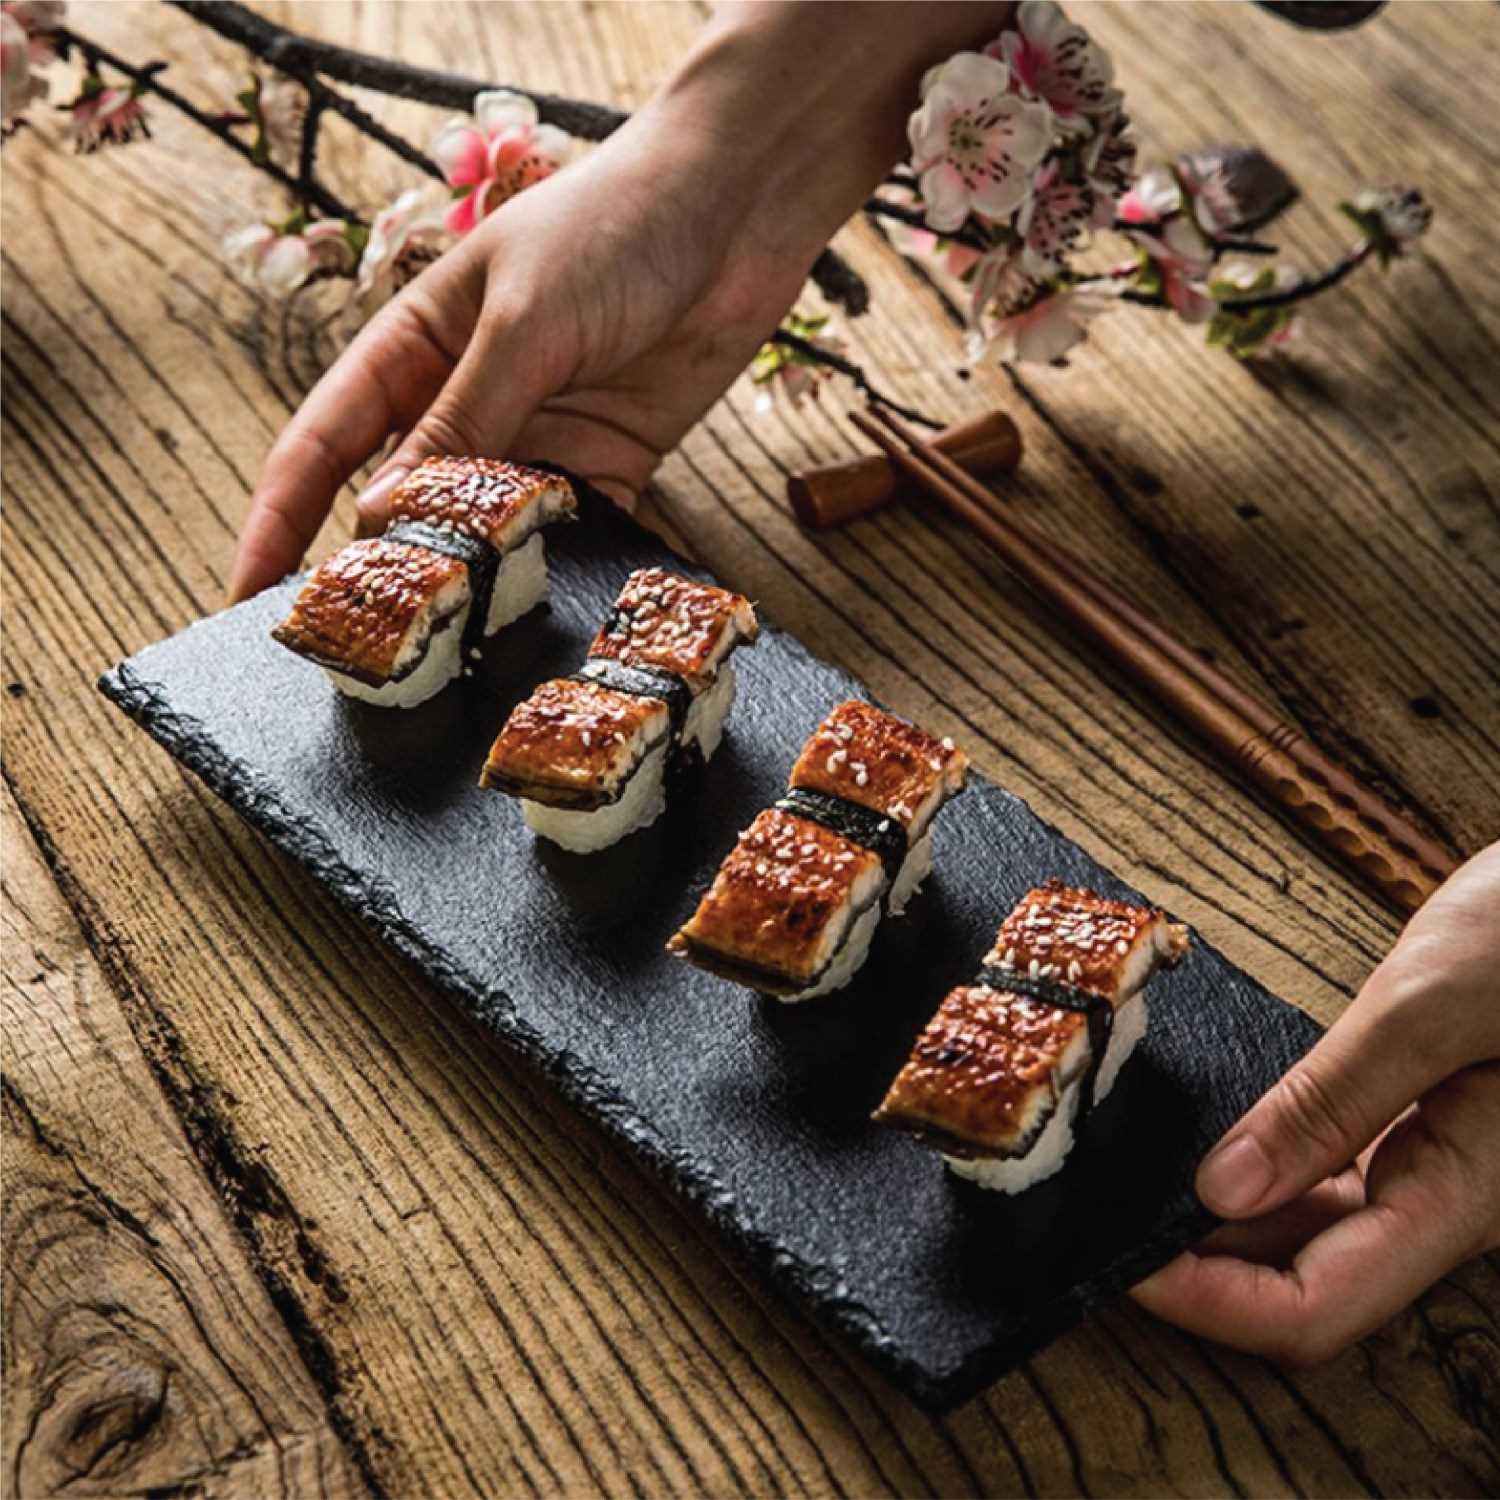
{"x":493,"y":390}
{"x":1391,"y":1046}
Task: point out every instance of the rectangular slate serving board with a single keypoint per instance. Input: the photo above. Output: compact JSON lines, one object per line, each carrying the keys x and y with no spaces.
{"x":756,"y":1112}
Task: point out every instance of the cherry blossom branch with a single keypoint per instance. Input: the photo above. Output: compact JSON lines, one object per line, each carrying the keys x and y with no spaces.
{"x":1286,"y":296}
{"x":292,"y":53}
{"x":906,"y":213}
{"x":809,"y":350}
{"x":305,"y":59}
{"x":146,"y":78}
{"x":286,"y":52}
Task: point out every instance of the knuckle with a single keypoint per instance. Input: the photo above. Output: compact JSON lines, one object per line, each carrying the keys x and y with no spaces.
{"x":1308,"y":1109}
{"x":418,"y":325}
{"x":448,"y":428}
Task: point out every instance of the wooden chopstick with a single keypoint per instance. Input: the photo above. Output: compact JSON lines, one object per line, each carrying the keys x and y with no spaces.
{"x":1399,"y":861}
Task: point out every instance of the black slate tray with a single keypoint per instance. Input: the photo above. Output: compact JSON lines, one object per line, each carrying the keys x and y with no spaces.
{"x":757,"y":1113}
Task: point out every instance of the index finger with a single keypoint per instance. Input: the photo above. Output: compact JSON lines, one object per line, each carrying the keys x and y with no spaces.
{"x":382,"y":383}
{"x":1429,"y":1208}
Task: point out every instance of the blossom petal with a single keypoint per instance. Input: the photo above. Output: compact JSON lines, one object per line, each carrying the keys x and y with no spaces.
{"x":556,"y":145}
{"x":927,"y":134}
{"x":286,"y":265}
{"x":1030,"y":131}
{"x":967,"y":78}
{"x":464,"y":214}
{"x":997,"y":198}
{"x":1042,"y":22}
{"x":503,"y":109}
{"x":459,"y":151}
{"x":244,"y":249}
{"x":945,"y":198}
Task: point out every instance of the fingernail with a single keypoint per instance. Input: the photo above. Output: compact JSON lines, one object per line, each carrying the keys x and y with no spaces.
{"x":372,"y":499}
{"x":1235,"y":1177}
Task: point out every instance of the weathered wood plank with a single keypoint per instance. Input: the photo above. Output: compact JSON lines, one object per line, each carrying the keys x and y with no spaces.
{"x":483,"y":1294}
{"x":141,"y":1351}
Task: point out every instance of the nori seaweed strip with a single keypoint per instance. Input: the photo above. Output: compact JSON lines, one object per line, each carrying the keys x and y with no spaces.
{"x":878,"y":832}
{"x":1063,"y":996}
{"x":641,"y":682}
{"x":478,"y":556}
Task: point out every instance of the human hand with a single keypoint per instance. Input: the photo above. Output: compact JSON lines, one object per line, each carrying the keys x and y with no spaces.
{"x":1373,"y":1168}
{"x":594,"y":317}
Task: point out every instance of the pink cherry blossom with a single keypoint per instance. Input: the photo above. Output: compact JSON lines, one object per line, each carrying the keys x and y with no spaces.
{"x":1054,"y":60}
{"x":1153,"y":197}
{"x":498,"y":153}
{"x":973,"y":142}
{"x":278,"y":261}
{"x":1053,"y":216}
{"x":1025,"y":318}
{"x":1044,"y":332}
{"x":103,"y":116}
{"x":403,"y":237}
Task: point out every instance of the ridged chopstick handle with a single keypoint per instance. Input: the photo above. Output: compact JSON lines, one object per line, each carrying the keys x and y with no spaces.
{"x":1404,"y":865}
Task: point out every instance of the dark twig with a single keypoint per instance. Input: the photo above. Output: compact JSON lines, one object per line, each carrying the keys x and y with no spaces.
{"x":905,"y":213}
{"x":313,"y":192}
{"x":847,"y":367}
{"x":295,"y":54}
{"x":1298,"y":291}
{"x":324,"y":97}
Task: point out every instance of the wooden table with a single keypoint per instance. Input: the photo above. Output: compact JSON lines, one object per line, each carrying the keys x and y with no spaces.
{"x":280,"y":1219}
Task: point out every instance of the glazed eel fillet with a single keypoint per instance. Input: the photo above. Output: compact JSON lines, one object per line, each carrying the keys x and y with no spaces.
{"x":1006,"y":1070}
{"x":795,"y":904}
{"x":587,"y":754}
{"x":391,"y":617}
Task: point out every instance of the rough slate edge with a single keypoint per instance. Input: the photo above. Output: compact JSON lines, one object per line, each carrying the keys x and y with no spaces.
{"x":821,"y":1292}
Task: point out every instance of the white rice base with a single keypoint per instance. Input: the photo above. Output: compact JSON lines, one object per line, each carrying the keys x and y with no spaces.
{"x":520,"y":583}
{"x":1014,"y":1174}
{"x":915,"y":868}
{"x":704,"y":723}
{"x":585,"y":832}
{"x":439,"y":656}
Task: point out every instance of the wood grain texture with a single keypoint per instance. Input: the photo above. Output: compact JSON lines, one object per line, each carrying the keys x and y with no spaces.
{"x":353,"y":1246}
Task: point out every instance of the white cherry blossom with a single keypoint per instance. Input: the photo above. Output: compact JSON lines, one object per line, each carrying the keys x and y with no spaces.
{"x":973,"y":142}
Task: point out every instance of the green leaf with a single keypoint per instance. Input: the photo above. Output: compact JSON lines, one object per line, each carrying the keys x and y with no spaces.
{"x":1227,"y":291}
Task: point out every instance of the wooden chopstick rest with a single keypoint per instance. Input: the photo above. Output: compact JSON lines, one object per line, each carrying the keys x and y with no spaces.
{"x":1368,"y":837}
{"x":830,"y":496}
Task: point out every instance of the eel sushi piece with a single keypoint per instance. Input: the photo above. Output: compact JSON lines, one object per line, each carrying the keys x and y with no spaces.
{"x":793,"y":908}
{"x":391,"y":618}
{"x":1003,"y":1075}
{"x":503,"y":505}
{"x":384,"y":619}
{"x":587,"y":755}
